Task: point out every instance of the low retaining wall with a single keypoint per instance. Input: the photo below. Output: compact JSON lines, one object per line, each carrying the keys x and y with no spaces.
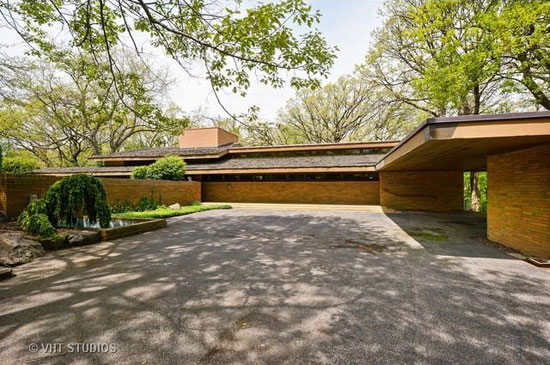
{"x":436,"y":191}
{"x":296,"y":192}
{"x":518,"y":209}
{"x":15,"y":191}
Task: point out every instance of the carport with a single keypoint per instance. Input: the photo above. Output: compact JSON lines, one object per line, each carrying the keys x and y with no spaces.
{"x":424,"y":172}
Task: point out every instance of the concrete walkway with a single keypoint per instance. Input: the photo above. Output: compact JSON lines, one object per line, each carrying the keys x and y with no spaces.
{"x":294,"y":287}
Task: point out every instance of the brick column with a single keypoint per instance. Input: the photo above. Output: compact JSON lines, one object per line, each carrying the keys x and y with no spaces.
{"x":518,"y":211}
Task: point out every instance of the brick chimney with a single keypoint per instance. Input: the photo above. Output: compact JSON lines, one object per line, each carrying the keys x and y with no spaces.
{"x":206,"y":137}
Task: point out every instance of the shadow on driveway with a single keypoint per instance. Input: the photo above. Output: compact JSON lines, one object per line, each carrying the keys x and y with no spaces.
{"x":238,"y":286}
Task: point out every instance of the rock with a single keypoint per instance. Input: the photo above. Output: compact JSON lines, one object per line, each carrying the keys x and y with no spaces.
{"x":54,"y":243}
{"x":18,"y":249}
{"x":82,"y":238}
{"x":174,"y":206}
{"x":5,"y":272}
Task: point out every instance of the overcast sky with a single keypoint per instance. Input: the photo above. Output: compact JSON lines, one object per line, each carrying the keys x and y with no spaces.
{"x":346,"y":24}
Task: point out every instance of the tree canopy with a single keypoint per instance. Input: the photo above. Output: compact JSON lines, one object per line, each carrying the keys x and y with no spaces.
{"x":66,"y":110}
{"x":230,"y":43}
{"x":346,"y":110}
{"x":455,"y":57}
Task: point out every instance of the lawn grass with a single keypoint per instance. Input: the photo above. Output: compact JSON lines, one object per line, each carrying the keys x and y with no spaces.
{"x":164,"y":212}
{"x":427,"y":235}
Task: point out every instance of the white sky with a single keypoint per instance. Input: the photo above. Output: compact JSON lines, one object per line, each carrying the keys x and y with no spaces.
{"x":346,"y":24}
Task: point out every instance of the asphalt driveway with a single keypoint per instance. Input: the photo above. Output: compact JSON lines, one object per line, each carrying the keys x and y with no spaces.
{"x":259,"y":286}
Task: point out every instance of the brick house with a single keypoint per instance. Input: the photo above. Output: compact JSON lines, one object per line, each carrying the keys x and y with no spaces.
{"x":422,"y":172}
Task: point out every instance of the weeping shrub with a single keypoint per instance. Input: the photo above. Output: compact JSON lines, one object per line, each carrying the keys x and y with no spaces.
{"x":35,"y":221}
{"x":68,"y":197}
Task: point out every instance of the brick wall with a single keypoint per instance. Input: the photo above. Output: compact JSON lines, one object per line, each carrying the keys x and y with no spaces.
{"x":15,"y":191}
{"x":518,"y":211}
{"x":18,"y":188}
{"x":299,"y":192}
{"x":437,"y":191}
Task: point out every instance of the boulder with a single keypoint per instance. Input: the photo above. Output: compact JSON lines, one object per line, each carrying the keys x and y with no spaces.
{"x":174,"y":206}
{"x":54,"y":243}
{"x":16,"y":249}
{"x":82,"y":238}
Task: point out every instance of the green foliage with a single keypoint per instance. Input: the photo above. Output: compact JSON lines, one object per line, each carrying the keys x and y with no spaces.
{"x":121,"y":207}
{"x":144,"y":203}
{"x":427,"y":235}
{"x":140,"y":172}
{"x":38,"y":225}
{"x":37,"y":206}
{"x":164,"y":212}
{"x":19,"y":164}
{"x":520,"y":38}
{"x":232,"y":43}
{"x":68,"y":197}
{"x":166,"y":168}
{"x":482,"y":186}
{"x":34,"y":220}
{"x":462,"y":56}
{"x":63,"y":109}
{"x":342,"y":111}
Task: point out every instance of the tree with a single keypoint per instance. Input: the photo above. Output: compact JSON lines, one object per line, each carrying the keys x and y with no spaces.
{"x":343,"y":111}
{"x":231,"y":44}
{"x":439,"y":57}
{"x":436,"y":56}
{"x":64,"y":111}
{"x":522,"y":40}
{"x":19,"y":164}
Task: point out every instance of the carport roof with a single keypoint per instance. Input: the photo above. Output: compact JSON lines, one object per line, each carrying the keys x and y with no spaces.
{"x":464,"y":142}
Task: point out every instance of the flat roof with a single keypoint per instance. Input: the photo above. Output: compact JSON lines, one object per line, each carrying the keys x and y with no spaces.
{"x":446,"y":143}
{"x":244,"y":165}
{"x":463,"y":142}
{"x":155,"y":153}
{"x":149,"y":154}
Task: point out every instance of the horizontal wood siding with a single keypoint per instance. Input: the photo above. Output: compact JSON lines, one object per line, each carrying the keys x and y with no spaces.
{"x":298,"y":192}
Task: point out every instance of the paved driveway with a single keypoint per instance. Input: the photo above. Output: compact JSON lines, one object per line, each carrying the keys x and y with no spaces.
{"x":253,"y":286}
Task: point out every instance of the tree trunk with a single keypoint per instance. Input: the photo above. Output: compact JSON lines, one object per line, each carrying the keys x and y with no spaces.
{"x":475,"y":193}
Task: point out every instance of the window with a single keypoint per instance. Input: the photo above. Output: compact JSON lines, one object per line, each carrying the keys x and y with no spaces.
{"x":362,"y":176}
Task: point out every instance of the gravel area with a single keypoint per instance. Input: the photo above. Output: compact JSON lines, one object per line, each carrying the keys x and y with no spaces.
{"x":261,"y":286}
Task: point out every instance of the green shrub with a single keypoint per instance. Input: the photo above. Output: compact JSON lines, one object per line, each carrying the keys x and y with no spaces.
{"x":19,"y":165}
{"x":167,"y":168}
{"x":121,"y":207}
{"x":68,"y":197}
{"x":140,"y":172}
{"x":34,"y":220}
{"x":144,"y":203}
{"x":37,"y":206}
{"x":38,"y":225}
